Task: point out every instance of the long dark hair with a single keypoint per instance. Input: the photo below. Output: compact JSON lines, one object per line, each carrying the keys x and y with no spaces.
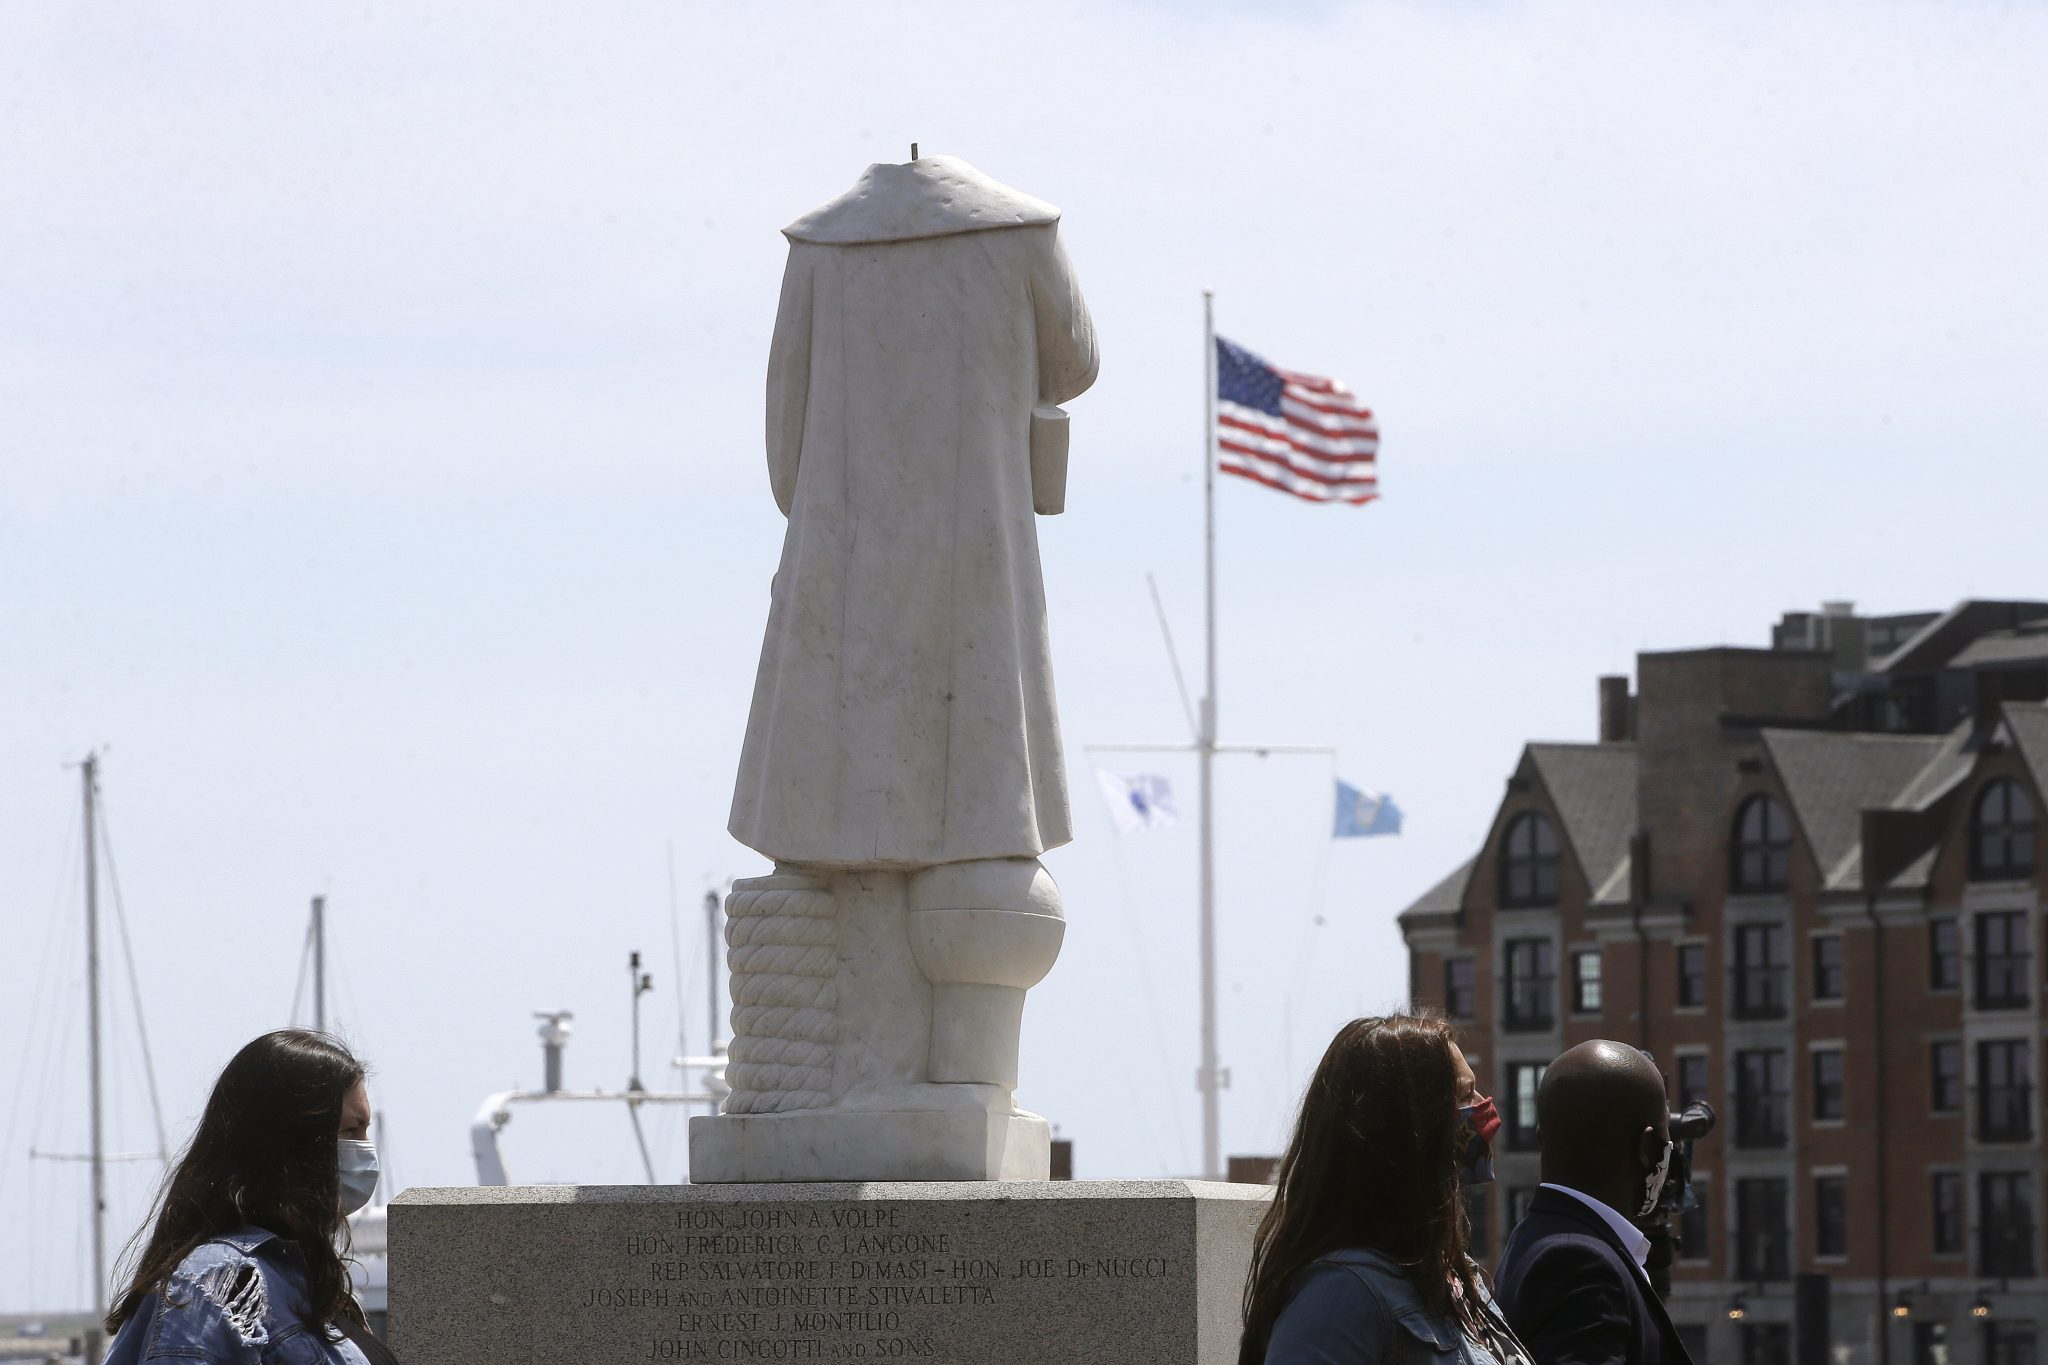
{"x":263,"y":1156}
{"x":1373,"y":1163}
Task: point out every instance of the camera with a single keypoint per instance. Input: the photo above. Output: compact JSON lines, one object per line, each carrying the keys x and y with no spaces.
{"x":1688,"y":1126}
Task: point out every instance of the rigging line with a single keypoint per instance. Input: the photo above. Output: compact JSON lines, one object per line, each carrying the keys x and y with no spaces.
{"x":1172,"y":656}
{"x":345,"y":993}
{"x":1180,"y":1136}
{"x":1318,"y":888}
{"x":646,"y":1161}
{"x":1296,"y":984}
{"x":78,"y":1243}
{"x":28,"y":1202}
{"x":61,"y":1057}
{"x":1319,"y":884}
{"x":661,"y":1144}
{"x":1305,"y":964}
{"x":57,"y":1060}
{"x":113,"y":1080}
{"x":45,"y":978}
{"x":156,"y":1107}
{"x":671,"y":1127}
{"x":1305,"y":956}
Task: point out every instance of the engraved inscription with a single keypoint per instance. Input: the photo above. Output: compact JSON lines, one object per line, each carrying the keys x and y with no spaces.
{"x":845,"y":1282}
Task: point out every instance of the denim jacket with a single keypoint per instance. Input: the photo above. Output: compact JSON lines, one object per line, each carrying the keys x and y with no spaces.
{"x":1356,"y":1307}
{"x":233,"y":1301}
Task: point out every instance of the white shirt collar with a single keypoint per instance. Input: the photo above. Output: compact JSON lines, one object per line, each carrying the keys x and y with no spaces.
{"x":1631,"y":1236}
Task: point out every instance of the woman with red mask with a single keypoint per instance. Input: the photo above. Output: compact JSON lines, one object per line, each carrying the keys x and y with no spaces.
{"x":1362,"y":1257}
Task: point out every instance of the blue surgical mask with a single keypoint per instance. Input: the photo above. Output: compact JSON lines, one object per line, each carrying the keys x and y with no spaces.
{"x":358,"y":1163}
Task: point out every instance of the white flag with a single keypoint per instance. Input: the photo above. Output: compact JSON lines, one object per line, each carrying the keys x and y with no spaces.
{"x":1137,"y":800}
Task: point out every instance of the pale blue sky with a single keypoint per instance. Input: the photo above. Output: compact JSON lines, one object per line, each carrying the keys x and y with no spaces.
{"x":380,"y":428}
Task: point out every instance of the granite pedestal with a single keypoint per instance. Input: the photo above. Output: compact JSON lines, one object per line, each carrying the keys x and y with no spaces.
{"x":968,"y":1273}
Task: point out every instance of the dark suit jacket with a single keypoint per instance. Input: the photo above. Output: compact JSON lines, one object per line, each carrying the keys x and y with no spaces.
{"x":1575,"y":1296}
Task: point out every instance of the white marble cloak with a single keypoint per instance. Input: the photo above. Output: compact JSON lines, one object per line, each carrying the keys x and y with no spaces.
{"x":903,"y":714}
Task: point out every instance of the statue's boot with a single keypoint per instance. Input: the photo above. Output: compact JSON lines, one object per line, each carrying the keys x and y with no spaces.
{"x":983,"y":933}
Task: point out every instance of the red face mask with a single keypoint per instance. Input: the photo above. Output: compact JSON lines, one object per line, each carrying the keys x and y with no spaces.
{"x":1477,"y":1123}
{"x":1483,"y":1118}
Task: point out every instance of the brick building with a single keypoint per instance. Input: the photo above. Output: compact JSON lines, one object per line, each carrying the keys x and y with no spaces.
{"x":1808,"y":879}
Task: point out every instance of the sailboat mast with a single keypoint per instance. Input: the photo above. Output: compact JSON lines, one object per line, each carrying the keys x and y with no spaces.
{"x":320,"y":964}
{"x":92,"y":1005}
{"x":1205,"y":744}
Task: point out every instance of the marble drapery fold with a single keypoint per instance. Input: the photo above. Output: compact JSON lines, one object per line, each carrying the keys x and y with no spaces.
{"x":903,"y":714}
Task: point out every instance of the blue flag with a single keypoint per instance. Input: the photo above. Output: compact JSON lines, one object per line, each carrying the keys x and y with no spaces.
{"x":1137,"y":800}
{"x":1361,"y":813}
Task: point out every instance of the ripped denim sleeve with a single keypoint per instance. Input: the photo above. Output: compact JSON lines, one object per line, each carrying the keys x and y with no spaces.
{"x":237,"y":1290}
{"x":220,"y":1316}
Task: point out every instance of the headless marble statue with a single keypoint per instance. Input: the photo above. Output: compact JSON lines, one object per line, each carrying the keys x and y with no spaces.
{"x":902,"y":762}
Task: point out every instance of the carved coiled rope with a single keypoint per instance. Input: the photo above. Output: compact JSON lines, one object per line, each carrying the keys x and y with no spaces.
{"x":783,"y":948}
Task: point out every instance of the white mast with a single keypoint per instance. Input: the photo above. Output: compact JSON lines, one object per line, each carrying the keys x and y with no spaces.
{"x":97,"y":1148}
{"x":712,"y":963}
{"x":319,"y":927}
{"x":1210,"y":1080}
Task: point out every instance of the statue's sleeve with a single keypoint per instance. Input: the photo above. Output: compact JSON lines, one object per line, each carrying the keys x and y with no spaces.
{"x":789,"y":379}
{"x":1067,"y":358}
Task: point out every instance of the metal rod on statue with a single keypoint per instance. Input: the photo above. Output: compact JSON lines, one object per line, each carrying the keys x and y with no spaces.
{"x":1212,"y":1142}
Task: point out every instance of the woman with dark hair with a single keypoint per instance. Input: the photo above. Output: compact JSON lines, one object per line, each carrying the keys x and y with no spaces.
{"x":241,"y":1267}
{"x":1361,"y":1259}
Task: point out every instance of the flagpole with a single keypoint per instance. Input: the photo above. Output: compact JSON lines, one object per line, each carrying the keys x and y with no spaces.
{"x":1210,"y":1079}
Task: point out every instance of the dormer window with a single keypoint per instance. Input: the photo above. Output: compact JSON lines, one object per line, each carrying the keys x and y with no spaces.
{"x":1762,"y":855}
{"x":2002,"y":833}
{"x":1528,"y":865}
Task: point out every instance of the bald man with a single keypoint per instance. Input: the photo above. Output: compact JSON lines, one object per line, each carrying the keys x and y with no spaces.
{"x":1571,"y":1279}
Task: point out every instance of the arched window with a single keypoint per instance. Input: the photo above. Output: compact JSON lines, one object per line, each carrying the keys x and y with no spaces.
{"x":1762,"y":858}
{"x":2002,"y":833}
{"x":1528,"y":865}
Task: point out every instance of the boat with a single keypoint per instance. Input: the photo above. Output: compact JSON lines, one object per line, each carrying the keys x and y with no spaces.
{"x":368,"y":1239}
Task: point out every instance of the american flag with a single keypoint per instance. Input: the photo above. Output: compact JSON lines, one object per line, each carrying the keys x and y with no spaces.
{"x":1299,"y":433}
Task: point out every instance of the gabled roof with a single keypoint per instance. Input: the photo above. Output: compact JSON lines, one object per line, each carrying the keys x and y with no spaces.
{"x":1593,"y":787}
{"x":1832,"y":777}
{"x":1936,"y":644}
{"x":2027,"y":721}
{"x":1447,"y":897}
{"x":1615,"y":890}
{"x":1916,"y":873}
{"x":1951,"y":764}
{"x":2006,"y":648}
